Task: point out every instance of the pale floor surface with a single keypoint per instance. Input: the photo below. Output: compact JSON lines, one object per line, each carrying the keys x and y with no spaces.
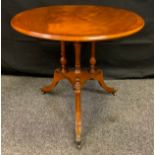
{"x":36,"y":124}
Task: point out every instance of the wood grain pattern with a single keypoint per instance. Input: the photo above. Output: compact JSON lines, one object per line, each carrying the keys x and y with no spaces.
{"x":77,"y":23}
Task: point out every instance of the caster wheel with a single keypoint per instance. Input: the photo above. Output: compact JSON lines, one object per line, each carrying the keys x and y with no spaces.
{"x":78,"y":142}
{"x":114,"y":92}
{"x":78,"y":145}
{"x":43,"y":92}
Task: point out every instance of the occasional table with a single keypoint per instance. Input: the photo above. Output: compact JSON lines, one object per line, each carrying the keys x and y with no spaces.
{"x":77,"y":24}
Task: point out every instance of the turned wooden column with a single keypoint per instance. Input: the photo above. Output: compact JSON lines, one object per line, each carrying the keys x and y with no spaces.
{"x":77,"y":89}
{"x":77,"y":47}
{"x":63,"y":60}
{"x":92,"y":58}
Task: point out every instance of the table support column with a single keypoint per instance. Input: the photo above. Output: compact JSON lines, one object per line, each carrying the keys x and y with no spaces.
{"x":63,"y":60}
{"x":92,"y":58}
{"x":77,"y":47}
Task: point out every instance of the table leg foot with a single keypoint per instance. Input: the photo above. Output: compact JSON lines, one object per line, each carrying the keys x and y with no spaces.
{"x":78,"y":143}
{"x":47,"y":89}
{"x":107,"y":88}
{"x":114,"y":91}
{"x":102,"y":83}
{"x":54,"y":82}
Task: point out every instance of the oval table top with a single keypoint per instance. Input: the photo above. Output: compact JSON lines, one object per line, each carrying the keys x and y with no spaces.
{"x":77,"y":22}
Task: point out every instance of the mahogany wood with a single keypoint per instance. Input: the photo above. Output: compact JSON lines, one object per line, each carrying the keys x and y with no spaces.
{"x":77,"y":23}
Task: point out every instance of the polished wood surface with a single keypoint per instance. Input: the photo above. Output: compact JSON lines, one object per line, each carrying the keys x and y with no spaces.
{"x":77,"y":23}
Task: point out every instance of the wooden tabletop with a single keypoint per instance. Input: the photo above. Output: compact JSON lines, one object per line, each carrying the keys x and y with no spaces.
{"x":77,"y":23}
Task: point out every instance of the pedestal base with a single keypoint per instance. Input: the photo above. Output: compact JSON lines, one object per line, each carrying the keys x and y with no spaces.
{"x":77,"y":80}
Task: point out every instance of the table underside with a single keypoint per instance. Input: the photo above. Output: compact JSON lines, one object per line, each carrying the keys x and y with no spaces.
{"x":77,"y":78}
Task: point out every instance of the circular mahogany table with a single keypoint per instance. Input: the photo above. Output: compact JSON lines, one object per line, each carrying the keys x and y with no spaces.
{"x":77,"y":24}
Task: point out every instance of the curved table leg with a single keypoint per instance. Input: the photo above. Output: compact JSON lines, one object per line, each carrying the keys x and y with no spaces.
{"x":57,"y":73}
{"x":100,"y":79}
{"x":54,"y":82}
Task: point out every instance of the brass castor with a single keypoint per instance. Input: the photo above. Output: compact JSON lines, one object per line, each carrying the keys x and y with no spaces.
{"x":43,"y":92}
{"x":78,"y":144}
{"x":78,"y":141}
{"x":114,"y":91}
